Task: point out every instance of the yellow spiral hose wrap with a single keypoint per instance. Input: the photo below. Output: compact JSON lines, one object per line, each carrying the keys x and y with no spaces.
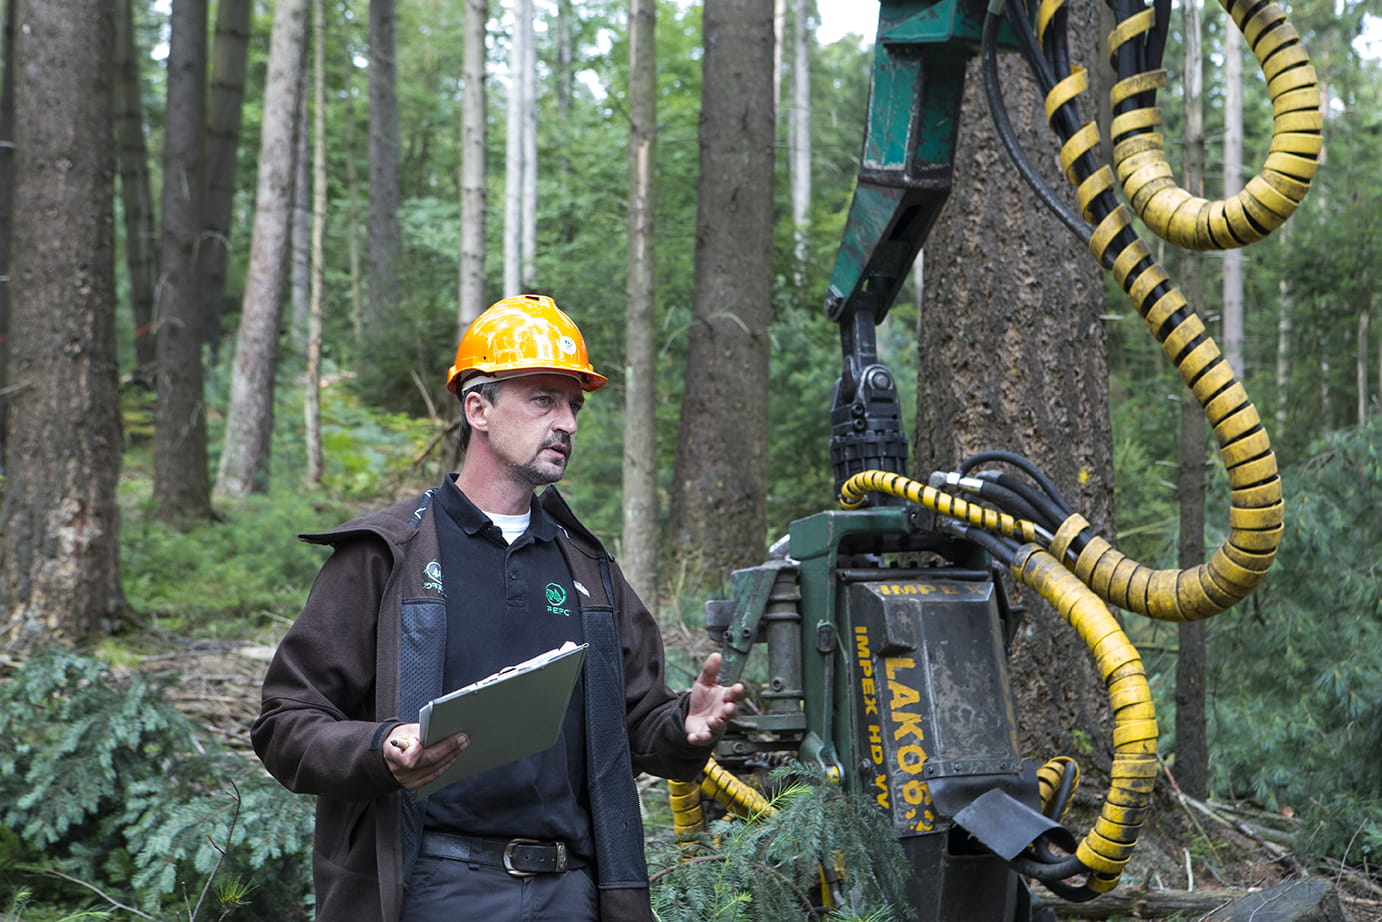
{"x":1106,"y":848}
{"x":720,"y":785}
{"x":1049,"y":779}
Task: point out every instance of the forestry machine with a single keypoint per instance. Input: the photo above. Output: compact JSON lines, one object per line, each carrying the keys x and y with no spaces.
{"x":884,"y":623}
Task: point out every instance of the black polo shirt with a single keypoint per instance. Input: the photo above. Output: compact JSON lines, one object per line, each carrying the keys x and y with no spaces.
{"x":504,"y":604}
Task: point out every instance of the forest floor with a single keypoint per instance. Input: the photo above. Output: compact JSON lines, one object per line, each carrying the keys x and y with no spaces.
{"x":1191,"y":858}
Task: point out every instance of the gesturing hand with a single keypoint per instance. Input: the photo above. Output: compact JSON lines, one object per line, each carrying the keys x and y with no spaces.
{"x":712,"y":704}
{"x":412,"y":764}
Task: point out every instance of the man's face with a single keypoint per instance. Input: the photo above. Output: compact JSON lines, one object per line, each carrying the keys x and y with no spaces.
{"x":531,"y":426}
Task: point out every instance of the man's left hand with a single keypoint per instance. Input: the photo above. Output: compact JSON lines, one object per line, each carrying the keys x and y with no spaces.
{"x":712,"y":704}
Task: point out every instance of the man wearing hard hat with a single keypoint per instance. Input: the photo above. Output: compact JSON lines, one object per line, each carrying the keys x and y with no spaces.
{"x":432,"y":594}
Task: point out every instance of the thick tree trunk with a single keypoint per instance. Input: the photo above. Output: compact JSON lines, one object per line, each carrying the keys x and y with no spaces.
{"x":718,"y":510}
{"x":182,"y":487}
{"x":385,"y":235}
{"x":225,"y":104}
{"x":639,"y":558}
{"x":59,"y":523}
{"x":141,"y":241}
{"x":473,"y":188}
{"x":1013,"y":356}
{"x":249,"y":420}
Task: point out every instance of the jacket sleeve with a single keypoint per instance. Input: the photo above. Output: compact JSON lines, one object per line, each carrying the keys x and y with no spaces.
{"x":317,"y":732}
{"x":655,"y":715}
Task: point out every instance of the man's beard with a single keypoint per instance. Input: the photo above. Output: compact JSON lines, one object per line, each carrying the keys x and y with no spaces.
{"x":536,"y":474}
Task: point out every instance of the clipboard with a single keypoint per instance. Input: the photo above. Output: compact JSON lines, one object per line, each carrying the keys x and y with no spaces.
{"x":514,"y":713}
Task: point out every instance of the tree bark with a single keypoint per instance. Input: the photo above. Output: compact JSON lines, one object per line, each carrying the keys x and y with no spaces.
{"x":1192,"y":748}
{"x":182,"y":488}
{"x":59,"y":523}
{"x":6,"y":217}
{"x":718,"y":508}
{"x":136,"y":199}
{"x":385,"y":235}
{"x":300,"y":229}
{"x":515,"y":149}
{"x":473,"y":188}
{"x":799,"y":132}
{"x":1013,"y":356}
{"x":639,"y":558}
{"x":1233,"y":182}
{"x":312,"y":400}
{"x":225,"y":106}
{"x":244,"y":465}
{"x":528,"y":248}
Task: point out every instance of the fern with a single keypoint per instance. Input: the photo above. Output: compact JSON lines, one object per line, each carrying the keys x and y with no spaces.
{"x":766,"y":870}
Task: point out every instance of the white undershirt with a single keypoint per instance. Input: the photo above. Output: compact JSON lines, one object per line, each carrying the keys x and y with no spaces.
{"x":511,"y":525}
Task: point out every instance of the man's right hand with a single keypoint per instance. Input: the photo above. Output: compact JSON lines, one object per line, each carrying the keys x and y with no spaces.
{"x":413,"y":765}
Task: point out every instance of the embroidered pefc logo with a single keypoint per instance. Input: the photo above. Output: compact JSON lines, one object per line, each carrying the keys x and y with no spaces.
{"x":556,"y":600}
{"x":431,"y":577}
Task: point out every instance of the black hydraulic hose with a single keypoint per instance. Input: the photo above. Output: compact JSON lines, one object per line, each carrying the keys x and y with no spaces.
{"x":1026,"y":466}
{"x":1002,"y":549}
{"x":1003,"y":127}
{"x":1048,"y":872}
{"x":1015,"y":503}
{"x":1048,"y":513}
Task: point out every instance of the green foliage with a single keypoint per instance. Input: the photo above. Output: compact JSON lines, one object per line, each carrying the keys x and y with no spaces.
{"x":767,"y":869}
{"x":104,"y":783}
{"x":1311,"y":647}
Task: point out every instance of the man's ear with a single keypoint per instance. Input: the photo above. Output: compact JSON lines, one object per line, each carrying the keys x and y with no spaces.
{"x":476,"y":409}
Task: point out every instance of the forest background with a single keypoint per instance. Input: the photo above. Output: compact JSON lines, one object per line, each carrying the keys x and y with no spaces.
{"x":349,"y":260}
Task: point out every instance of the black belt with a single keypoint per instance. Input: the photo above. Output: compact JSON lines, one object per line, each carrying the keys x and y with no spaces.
{"x":520,"y":857}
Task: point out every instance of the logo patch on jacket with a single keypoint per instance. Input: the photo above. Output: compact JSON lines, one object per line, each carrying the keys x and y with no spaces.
{"x":431,"y":577}
{"x":556,"y":599}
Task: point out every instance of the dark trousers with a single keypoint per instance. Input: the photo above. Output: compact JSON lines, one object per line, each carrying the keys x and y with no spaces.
{"x":446,"y":890}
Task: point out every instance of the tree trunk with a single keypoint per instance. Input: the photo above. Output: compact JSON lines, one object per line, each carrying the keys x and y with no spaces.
{"x":639,"y":558}
{"x":473,"y":188}
{"x":249,"y":419}
{"x":6,"y":217}
{"x":799,"y":131}
{"x":59,"y":561}
{"x":352,"y":218}
{"x":515,"y":148}
{"x":1284,"y":339}
{"x":312,"y":401}
{"x":1233,"y":182}
{"x":300,"y":234}
{"x":1192,"y":749}
{"x":135,"y":196}
{"x":182,"y":488}
{"x":385,"y":236}
{"x":223,"y":117}
{"x":1364,"y":354}
{"x":528,"y":248}
{"x":1013,"y":356}
{"x":718,"y":508}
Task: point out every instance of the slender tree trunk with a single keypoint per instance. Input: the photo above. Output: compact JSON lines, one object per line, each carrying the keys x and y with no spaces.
{"x":1364,"y":354}
{"x":249,"y":420}
{"x":718,"y":509}
{"x":529,"y":243}
{"x":1192,"y":751}
{"x":312,"y":402}
{"x":473,"y":187}
{"x":385,"y":235}
{"x":59,"y":522}
{"x":1013,"y":356}
{"x":6,"y":217}
{"x":1233,"y":182}
{"x":514,"y":149}
{"x":141,"y":239}
{"x":300,"y":247}
{"x":799,"y":128}
{"x":1284,"y":338}
{"x":357,"y":310}
{"x":640,"y":374}
{"x":223,"y":118}
{"x":182,"y":486}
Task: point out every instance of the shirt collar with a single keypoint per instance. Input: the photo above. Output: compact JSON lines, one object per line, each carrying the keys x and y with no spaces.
{"x":467,"y":515}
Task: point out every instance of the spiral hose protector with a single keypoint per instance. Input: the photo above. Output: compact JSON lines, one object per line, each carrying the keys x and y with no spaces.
{"x":720,"y":785}
{"x":1139,"y":156}
{"x":1106,"y":848}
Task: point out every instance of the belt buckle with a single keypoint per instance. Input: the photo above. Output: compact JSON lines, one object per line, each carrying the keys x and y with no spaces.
{"x":558,"y":865}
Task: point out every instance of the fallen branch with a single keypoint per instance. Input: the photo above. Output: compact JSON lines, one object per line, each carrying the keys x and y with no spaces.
{"x":1142,"y":903}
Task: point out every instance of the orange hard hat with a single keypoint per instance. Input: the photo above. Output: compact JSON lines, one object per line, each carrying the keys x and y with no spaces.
{"x":526,"y":334}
